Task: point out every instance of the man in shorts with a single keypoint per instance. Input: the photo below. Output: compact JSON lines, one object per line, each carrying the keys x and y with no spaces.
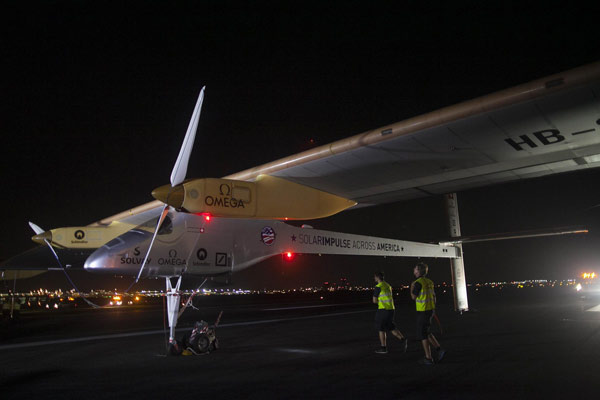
{"x":384,"y":318}
{"x":422,"y":292}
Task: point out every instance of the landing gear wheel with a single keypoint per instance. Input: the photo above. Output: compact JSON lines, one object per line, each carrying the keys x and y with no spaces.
{"x":203,"y":343}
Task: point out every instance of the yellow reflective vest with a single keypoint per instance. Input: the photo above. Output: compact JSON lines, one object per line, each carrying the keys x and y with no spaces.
{"x":426,"y":299}
{"x":386,"y":298}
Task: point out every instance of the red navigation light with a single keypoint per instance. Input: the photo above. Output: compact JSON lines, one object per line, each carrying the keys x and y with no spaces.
{"x":289,"y":256}
{"x":206,"y":216}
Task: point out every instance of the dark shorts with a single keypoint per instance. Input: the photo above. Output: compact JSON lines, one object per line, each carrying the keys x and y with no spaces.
{"x":384,"y":320}
{"x":423,"y":324}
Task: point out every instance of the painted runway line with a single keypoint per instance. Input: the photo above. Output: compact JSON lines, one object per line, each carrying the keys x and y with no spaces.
{"x":317,"y":306}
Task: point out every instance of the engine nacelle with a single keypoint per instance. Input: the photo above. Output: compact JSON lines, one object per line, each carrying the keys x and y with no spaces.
{"x":268,"y":197}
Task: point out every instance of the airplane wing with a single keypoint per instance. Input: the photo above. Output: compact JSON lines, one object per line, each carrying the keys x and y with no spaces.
{"x":547,"y":126}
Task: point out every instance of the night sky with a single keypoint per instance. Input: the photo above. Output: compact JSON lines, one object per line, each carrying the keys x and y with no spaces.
{"x":97,"y":97}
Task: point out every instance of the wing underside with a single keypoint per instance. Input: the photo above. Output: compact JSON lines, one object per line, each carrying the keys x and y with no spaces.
{"x":544,"y":127}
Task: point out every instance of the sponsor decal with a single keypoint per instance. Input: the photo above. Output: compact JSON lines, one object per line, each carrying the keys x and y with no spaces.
{"x":79,"y":235}
{"x":138,"y":259}
{"x":221,"y":259}
{"x":201,"y":254}
{"x":134,"y":260}
{"x":224,"y":189}
{"x":224,"y":199}
{"x":332,"y":241}
{"x":267,"y":235}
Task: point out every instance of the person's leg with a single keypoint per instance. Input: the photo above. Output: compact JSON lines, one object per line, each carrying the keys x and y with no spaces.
{"x":382,"y":338}
{"x":398,"y":334}
{"x":426,"y":348}
{"x":440,"y":353}
{"x":423,"y":334}
{"x":434,"y":343}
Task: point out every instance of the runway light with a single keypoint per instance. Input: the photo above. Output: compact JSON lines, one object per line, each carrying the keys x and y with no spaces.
{"x":578,"y":287}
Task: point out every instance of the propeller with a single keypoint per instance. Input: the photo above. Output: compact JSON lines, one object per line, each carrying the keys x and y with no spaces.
{"x":178,"y":173}
{"x":43,"y":235}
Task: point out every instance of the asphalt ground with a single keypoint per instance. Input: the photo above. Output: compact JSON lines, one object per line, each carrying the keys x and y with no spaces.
{"x":527,"y":343}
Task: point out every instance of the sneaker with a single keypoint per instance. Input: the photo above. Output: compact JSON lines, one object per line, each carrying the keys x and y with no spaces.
{"x":405,"y":345}
{"x":381,"y":350}
{"x":440,"y":355}
{"x":426,"y":361}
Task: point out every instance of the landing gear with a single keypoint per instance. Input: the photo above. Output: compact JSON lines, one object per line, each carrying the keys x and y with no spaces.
{"x":173,"y":301}
{"x":202,"y":339}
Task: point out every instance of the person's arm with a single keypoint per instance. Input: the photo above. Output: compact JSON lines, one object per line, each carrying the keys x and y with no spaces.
{"x":415,"y":289}
{"x":376,"y":295}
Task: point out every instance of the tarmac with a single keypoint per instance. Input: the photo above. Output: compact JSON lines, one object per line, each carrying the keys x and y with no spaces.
{"x":528,"y":343}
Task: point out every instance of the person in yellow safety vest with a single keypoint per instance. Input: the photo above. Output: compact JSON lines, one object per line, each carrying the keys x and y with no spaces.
{"x":422,"y":292}
{"x":384,"y":318}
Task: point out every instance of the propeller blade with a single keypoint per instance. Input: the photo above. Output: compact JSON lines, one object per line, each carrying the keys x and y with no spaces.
{"x":180,"y":168}
{"x":36,"y":228}
{"x":163,"y":214}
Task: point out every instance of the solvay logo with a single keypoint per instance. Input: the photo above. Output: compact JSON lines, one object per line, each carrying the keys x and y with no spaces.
{"x":79,"y":234}
{"x":267,"y":235}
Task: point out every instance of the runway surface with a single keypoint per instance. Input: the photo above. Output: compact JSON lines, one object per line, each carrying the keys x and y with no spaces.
{"x":531,"y":343}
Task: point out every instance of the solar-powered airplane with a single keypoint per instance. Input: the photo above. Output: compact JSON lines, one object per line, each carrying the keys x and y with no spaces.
{"x":217,"y":226}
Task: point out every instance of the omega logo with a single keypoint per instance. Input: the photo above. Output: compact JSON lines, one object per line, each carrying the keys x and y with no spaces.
{"x":79,"y":234}
{"x":227,"y":190}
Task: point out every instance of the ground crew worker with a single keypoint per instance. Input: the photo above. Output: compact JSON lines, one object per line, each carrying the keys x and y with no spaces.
{"x":384,"y":318}
{"x":421,"y":290}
